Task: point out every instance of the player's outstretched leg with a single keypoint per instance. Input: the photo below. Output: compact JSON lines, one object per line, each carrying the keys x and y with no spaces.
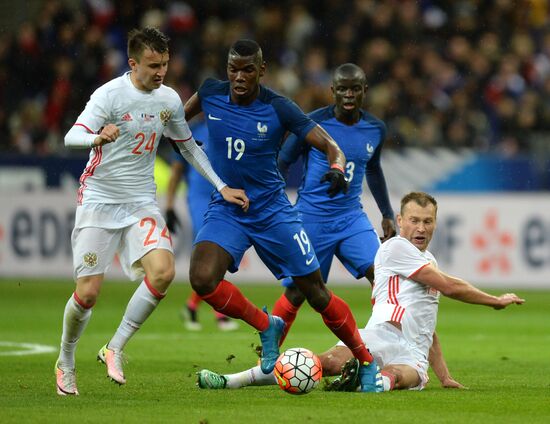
{"x":65,"y":380}
{"x":270,"y":338}
{"x":113,"y":360}
{"x":207,"y":379}
{"x":370,"y":377}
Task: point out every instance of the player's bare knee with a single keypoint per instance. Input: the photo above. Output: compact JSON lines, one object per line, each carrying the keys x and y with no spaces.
{"x":294,"y":295}
{"x":87,"y":289}
{"x":160,"y":278}
{"x":332,"y":364}
{"x":202,"y":279}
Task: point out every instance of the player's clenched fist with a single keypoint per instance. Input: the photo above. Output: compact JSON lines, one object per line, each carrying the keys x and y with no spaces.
{"x":237,"y":196}
{"x":108,"y":134}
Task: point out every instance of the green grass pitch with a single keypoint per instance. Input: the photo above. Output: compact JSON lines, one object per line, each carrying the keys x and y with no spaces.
{"x":503,"y":357}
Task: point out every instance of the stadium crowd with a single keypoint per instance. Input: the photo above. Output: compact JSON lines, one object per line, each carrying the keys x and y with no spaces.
{"x":466,"y":73}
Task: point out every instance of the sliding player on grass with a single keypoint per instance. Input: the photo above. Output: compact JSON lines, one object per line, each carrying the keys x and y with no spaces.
{"x":401,"y":330}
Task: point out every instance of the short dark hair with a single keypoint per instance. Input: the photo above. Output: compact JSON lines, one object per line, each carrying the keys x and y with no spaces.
{"x":245,"y":47}
{"x":350,"y":70}
{"x":146,"y":38}
{"x":420,"y":198}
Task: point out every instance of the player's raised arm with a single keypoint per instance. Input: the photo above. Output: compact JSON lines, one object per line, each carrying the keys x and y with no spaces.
{"x":322,"y":141}
{"x":459,"y":289}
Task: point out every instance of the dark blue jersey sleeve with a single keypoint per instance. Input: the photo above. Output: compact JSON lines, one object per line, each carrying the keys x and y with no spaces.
{"x":292,"y":149}
{"x":292,"y":117}
{"x":295,"y":146}
{"x":377,"y":183}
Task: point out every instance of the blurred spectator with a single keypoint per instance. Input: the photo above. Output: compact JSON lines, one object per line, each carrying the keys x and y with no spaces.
{"x":459,"y":74}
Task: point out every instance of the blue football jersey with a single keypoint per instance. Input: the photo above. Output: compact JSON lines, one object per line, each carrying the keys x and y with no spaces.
{"x":244,"y":142}
{"x":360,"y":143}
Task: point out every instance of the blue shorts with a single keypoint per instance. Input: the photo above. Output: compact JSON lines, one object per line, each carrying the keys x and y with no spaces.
{"x":351,"y":238}
{"x":277,"y":235}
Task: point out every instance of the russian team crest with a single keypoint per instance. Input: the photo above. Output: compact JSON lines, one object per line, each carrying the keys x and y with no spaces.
{"x":165,"y":116}
{"x":90,"y":259}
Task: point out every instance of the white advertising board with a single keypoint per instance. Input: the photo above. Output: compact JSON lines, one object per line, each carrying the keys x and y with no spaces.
{"x":491,"y":240}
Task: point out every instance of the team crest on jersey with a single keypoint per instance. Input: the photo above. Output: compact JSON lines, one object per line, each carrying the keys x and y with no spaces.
{"x":90,"y":259}
{"x":165,"y":116}
{"x":262,"y":132}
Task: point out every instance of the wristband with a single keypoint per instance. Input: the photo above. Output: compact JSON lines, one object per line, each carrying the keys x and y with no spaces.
{"x":338,"y":167}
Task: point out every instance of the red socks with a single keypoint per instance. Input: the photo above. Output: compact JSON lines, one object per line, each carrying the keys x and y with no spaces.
{"x":287,"y":311}
{"x":228,"y":299}
{"x":194,"y":300}
{"x":338,"y":317}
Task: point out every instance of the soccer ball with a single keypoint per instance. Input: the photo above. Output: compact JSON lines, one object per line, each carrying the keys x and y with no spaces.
{"x":298,"y":371}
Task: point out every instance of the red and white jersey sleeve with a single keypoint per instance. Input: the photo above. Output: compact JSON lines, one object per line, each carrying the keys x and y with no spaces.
{"x":123,"y":171}
{"x":397,"y":297}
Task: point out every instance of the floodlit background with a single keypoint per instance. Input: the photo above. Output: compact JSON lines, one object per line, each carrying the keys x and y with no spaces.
{"x":463,"y":86}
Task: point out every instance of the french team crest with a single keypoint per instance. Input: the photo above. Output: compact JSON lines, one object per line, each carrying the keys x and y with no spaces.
{"x":90,"y":259}
{"x":165,"y":116}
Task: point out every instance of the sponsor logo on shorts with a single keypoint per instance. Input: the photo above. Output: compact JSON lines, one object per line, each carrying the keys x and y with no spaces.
{"x":310,"y":260}
{"x":90,"y":259}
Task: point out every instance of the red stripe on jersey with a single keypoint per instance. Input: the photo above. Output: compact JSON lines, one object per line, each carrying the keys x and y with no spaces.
{"x":419,"y":269}
{"x":183,"y":141}
{"x":393,"y":289}
{"x":397,"y":315}
{"x":85,"y":127}
{"x":88,"y":172}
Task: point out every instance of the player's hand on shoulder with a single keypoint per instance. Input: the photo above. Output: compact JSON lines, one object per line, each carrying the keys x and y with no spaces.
{"x":508,"y":299}
{"x":236,"y":196}
{"x":108,"y":134}
{"x":172,"y":220}
{"x":337,"y":180}
{"x":388,"y":226}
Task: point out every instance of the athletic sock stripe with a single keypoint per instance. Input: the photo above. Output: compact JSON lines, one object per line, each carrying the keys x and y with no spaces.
{"x":153,"y":291}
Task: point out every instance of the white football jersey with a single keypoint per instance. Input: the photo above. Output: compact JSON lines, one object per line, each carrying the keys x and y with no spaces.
{"x":398,"y":298}
{"x":123,"y":171}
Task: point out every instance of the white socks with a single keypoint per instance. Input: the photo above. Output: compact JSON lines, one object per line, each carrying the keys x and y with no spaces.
{"x":75,"y":319}
{"x":141,"y":305}
{"x":251,"y":377}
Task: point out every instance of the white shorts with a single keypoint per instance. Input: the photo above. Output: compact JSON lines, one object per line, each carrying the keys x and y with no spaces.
{"x":388,"y":346}
{"x":94,"y":246}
